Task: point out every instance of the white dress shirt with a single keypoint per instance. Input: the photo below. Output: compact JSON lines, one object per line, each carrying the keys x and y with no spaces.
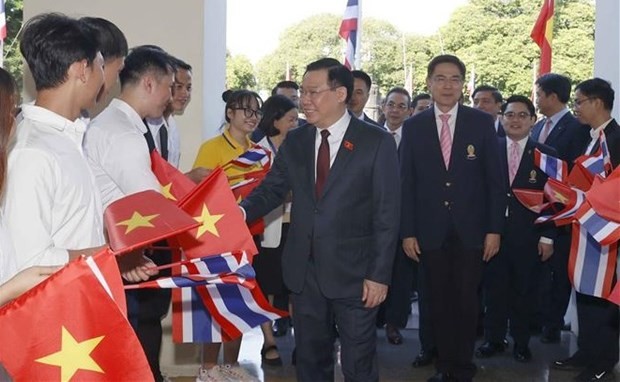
{"x":397,"y":134}
{"x":451,"y":120}
{"x":174,"y":139}
{"x":595,"y":134}
{"x":52,"y":203}
{"x":336,"y":134}
{"x":118,"y":153}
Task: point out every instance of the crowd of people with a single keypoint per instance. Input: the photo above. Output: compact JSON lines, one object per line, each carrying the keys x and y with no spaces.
{"x":358,"y":213}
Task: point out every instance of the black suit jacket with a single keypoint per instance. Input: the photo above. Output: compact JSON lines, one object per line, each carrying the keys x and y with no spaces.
{"x":500,"y":129}
{"x":612,"y":136}
{"x":569,"y":137}
{"x":520,"y":227}
{"x":351,"y":231}
{"x":470,"y":195}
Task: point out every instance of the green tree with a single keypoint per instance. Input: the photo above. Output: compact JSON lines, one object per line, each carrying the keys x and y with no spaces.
{"x":12,"y":58}
{"x":239,"y":72}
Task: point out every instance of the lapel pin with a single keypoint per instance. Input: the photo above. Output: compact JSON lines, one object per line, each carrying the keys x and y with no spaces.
{"x":471,"y":152}
{"x":532,"y":176}
{"x":348,"y":145}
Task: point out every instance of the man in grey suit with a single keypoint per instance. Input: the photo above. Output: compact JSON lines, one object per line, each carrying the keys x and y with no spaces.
{"x":337,"y":262}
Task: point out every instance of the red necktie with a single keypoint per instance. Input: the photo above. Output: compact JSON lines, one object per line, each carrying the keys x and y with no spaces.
{"x":445,"y":139}
{"x":322,"y":164}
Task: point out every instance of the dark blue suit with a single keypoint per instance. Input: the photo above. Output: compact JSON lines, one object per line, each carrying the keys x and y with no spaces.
{"x":335,"y":242}
{"x":500,"y":130}
{"x":569,"y":138}
{"x":509,"y":288}
{"x":450,"y":212}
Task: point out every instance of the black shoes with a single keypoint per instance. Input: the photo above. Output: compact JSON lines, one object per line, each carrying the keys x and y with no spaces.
{"x":522,"y":353}
{"x":393,"y":335}
{"x":425,"y":358}
{"x":489,"y":349}
{"x":568,"y":364}
{"x":550,"y":336}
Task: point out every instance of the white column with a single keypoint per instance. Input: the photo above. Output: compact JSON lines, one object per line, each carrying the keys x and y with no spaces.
{"x":607,"y":46}
{"x":214,"y":75}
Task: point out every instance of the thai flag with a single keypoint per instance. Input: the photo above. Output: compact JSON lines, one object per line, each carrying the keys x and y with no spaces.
{"x":553,"y":167}
{"x":2,"y":21}
{"x":254,"y":155}
{"x":349,"y":31}
{"x":602,"y":230}
{"x":572,"y":198}
{"x":600,"y":162}
{"x":218,"y":312}
{"x":591,"y":266}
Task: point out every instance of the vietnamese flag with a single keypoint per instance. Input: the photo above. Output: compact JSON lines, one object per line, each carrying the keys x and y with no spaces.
{"x":530,"y":199}
{"x":542,"y":34}
{"x":69,"y":328}
{"x":174,"y":184}
{"x":243,"y":188}
{"x":222,"y":227}
{"x":580,"y":177}
{"x":604,"y":196}
{"x":143,"y":218}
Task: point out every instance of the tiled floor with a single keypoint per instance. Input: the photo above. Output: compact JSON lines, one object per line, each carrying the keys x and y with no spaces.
{"x":395,"y":361}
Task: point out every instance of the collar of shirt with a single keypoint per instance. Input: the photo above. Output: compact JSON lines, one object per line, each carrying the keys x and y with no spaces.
{"x":555,"y":118}
{"x":496,"y":124}
{"x":231,"y":141}
{"x":397,"y":132}
{"x":336,"y":134}
{"x":521,"y":143}
{"x":451,"y":122}
{"x":73,"y":129}
{"x":360,"y":116}
{"x":131,"y":113}
{"x":595,"y":133}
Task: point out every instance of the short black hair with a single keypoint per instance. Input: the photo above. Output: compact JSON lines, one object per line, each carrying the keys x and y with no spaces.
{"x":555,"y":83}
{"x":110,"y":39}
{"x":241,"y":99}
{"x":598,"y":88}
{"x":51,"y":43}
{"x":284,"y":85}
{"x":274,"y":108}
{"x":445,"y":59}
{"x":180,"y":64}
{"x":520,"y":99}
{"x":488,"y":88}
{"x":337,"y":74}
{"x":399,"y":90}
{"x":362,"y":76}
{"x":142,"y":60}
{"x":421,"y":96}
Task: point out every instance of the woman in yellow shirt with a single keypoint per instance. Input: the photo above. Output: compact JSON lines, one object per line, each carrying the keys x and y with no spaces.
{"x":243,"y":112}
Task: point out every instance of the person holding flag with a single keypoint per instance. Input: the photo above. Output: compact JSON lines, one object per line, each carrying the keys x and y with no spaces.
{"x":242,"y":114}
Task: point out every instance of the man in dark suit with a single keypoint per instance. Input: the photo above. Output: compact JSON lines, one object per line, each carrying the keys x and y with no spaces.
{"x":509,"y":288}
{"x":560,"y":130}
{"x":453,"y":210}
{"x":337,"y":262}
{"x":597,"y":344}
{"x":488,"y":99}
{"x":359,"y":98}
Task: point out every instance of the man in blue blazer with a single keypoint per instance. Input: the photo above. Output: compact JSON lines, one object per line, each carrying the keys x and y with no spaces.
{"x":337,"y":261}
{"x":560,"y":130}
{"x":509,"y":287}
{"x":453,"y":209}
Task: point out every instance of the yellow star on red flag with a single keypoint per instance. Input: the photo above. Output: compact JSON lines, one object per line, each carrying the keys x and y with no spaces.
{"x":73,"y":356}
{"x":563,"y":199}
{"x":136,"y":221}
{"x":208,"y":222}
{"x":166,"y":191}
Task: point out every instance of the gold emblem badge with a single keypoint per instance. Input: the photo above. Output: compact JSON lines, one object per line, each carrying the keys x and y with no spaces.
{"x":471,"y":152}
{"x":533,"y":176}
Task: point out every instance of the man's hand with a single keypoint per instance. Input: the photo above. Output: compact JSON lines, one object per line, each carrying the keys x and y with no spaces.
{"x":545,"y":251}
{"x":136,"y":267}
{"x":491,"y":246}
{"x":198,"y":174}
{"x":374,"y":293}
{"x":412,"y":248}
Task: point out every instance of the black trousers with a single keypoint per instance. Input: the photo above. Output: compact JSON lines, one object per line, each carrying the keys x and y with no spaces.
{"x":397,"y":304}
{"x":454,"y":274}
{"x":510,"y":289}
{"x":152,"y":305}
{"x":597,"y":342}
{"x":425,"y":332}
{"x":315,"y":317}
{"x":555,"y":285}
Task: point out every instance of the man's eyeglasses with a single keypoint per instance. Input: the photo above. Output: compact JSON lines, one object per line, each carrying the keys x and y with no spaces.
{"x":248,"y":113}
{"x":442,"y":80}
{"x":312,"y":94}
{"x":578,"y":102}
{"x":512,"y":115}
{"x":400,"y":106}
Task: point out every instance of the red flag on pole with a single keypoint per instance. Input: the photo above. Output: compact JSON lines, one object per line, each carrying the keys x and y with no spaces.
{"x":71,"y":328}
{"x":542,"y":34}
